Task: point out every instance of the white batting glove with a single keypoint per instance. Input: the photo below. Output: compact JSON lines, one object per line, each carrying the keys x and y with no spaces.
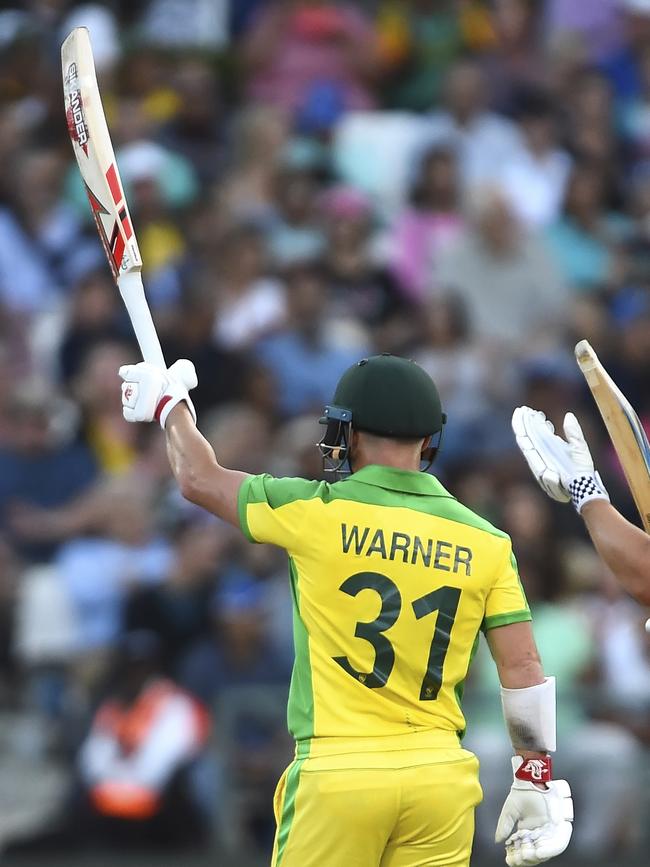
{"x":150,"y":394}
{"x":535,"y":822}
{"x":564,"y":468}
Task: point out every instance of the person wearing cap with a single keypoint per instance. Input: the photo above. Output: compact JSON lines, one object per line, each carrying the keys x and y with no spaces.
{"x":392,"y":581}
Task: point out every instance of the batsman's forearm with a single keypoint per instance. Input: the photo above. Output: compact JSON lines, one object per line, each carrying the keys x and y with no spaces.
{"x":200,"y":477}
{"x":623,"y":547}
{"x":191,"y":456}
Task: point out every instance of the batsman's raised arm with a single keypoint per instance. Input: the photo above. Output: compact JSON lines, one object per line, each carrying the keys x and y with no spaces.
{"x":564,"y":469}
{"x":151,"y":394}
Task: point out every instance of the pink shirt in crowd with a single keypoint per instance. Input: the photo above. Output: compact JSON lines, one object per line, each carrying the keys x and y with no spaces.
{"x":418,"y":238}
{"x":303,"y":57}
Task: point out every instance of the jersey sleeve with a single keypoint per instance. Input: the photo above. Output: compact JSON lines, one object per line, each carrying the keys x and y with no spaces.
{"x":275,"y":510}
{"x":506,"y":600}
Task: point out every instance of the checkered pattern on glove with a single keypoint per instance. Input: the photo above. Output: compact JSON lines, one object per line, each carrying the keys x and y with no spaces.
{"x":585,"y":488}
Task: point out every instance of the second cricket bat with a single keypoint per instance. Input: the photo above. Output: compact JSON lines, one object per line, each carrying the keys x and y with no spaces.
{"x":623,"y":425}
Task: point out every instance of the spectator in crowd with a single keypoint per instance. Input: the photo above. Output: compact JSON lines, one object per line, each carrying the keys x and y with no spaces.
{"x":295,"y":233}
{"x":298,"y":48}
{"x":503,"y":273}
{"x":41,"y":465}
{"x":136,"y":762}
{"x":361,"y":288}
{"x":432,"y":222}
{"x":590,"y":127}
{"x":635,"y":112}
{"x":465,"y":371}
{"x":94,"y":317}
{"x":196,"y":130}
{"x":238,"y":654}
{"x":516,"y":60}
{"x":41,"y":246}
{"x":308,"y":355}
{"x":249,"y":303}
{"x":482,"y":138}
{"x":134,"y":782}
{"x":622,"y":644}
{"x":176,"y":609}
{"x":101,"y":570}
{"x":419,"y":39}
{"x":258,"y":137}
{"x":583,"y":239}
{"x":225,"y":371}
{"x":535,"y":180}
{"x":597,"y":26}
{"x":622,"y":67}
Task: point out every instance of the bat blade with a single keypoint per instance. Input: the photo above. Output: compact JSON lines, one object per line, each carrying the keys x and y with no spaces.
{"x":93,"y":150}
{"x":623,"y":425}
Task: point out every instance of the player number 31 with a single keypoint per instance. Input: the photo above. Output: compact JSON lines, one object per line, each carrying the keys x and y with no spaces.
{"x":444,"y":600}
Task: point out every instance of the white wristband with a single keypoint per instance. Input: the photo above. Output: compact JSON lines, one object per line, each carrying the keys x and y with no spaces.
{"x":530,"y":716}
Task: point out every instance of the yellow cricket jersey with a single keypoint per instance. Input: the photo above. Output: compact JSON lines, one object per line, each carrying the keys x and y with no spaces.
{"x":392,"y":579}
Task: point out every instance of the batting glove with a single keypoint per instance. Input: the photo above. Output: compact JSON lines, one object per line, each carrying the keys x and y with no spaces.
{"x":563,"y":468}
{"x":535,"y":822}
{"x":150,"y":394}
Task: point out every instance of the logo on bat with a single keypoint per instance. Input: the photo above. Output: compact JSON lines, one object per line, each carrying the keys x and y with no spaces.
{"x":74,"y":115}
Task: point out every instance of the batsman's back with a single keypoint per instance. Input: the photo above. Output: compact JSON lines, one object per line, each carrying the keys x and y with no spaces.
{"x":392,"y":580}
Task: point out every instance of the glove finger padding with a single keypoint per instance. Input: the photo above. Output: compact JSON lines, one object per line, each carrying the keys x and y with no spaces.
{"x":134,"y":372}
{"x":138,"y":400}
{"x":544,"y":452}
{"x":184,"y":371}
{"x":534,"y":847}
{"x":579,"y":450}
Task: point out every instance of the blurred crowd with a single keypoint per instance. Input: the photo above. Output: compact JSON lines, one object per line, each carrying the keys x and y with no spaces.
{"x":464,"y":182}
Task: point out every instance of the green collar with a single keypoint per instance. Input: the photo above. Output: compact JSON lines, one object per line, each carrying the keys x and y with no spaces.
{"x":406,"y":481}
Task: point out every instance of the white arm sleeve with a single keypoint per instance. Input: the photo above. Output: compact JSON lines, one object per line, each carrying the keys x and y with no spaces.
{"x":530,"y":716}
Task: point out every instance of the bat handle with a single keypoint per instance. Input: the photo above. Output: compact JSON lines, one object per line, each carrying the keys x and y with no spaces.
{"x":132,"y":292}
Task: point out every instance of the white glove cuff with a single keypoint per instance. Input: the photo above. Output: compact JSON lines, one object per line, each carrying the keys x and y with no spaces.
{"x":172,"y":397}
{"x":586,"y":487}
{"x":530,"y":716}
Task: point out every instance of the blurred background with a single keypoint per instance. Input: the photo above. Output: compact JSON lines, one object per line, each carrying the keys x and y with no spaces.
{"x":465,"y":182}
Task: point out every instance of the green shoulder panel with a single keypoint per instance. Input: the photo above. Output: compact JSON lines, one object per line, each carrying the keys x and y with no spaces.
{"x":276,"y":493}
{"x":442,"y":505}
{"x":279,"y":492}
{"x":431,"y":500}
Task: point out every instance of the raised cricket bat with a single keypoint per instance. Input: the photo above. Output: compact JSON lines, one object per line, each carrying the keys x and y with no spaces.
{"x":623,"y":425}
{"x":93,"y":150}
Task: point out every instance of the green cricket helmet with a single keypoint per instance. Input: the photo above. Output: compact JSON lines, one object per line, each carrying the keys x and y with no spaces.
{"x":387,"y":396}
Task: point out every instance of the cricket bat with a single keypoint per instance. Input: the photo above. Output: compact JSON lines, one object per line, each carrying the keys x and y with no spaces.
{"x":623,"y":425}
{"x":93,"y":150}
